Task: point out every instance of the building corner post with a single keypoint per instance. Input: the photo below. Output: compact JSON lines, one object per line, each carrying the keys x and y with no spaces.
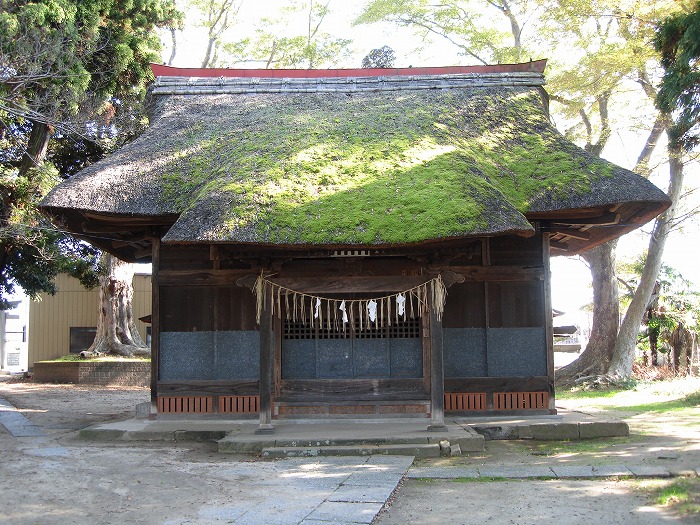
{"x":267,"y":349}
{"x":437,"y":375}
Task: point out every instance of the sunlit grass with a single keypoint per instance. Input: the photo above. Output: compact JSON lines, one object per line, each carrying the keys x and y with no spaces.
{"x":681,"y":495}
{"x":643,"y":396}
{"x":587,"y":446}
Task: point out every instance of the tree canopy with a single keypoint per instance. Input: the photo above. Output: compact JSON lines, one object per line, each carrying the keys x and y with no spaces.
{"x":678,"y":41}
{"x":68,"y":71}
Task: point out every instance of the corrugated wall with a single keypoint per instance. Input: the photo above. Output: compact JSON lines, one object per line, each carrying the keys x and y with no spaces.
{"x":51,"y":317}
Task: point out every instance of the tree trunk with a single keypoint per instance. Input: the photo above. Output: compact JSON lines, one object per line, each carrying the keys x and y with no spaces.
{"x":116,"y":329}
{"x":606,"y":308}
{"x":624,"y":353}
{"x":37,"y":147}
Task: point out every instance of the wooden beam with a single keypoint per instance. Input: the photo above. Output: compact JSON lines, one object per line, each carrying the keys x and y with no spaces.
{"x":328,"y":285}
{"x":606,"y":219}
{"x":556,"y":245}
{"x":499,"y":273}
{"x":570,"y":232}
{"x":142,"y":253}
{"x":202,"y":277}
{"x":138,"y":220}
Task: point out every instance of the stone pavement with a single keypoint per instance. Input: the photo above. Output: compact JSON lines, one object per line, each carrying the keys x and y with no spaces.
{"x":554,"y":471}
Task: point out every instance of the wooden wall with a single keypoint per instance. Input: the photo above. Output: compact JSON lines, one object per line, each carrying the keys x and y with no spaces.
{"x":494,"y":328}
{"x":52,"y":316}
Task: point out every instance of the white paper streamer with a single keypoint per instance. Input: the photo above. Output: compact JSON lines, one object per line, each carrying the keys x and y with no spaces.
{"x":372,"y":310}
{"x":345,"y":313}
{"x":318,"y":305}
{"x":400,"y":303}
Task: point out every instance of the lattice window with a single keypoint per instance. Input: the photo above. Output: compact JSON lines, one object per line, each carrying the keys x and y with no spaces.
{"x":404,"y":329}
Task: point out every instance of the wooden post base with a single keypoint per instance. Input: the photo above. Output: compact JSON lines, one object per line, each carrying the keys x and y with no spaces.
{"x":265,"y":429}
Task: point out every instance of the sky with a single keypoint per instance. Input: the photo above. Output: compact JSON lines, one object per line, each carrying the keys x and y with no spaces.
{"x":571,"y":286}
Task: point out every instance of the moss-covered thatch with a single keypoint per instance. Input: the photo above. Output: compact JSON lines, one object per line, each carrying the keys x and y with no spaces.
{"x":391,"y":167}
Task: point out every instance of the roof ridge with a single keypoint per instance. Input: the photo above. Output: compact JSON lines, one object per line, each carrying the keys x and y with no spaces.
{"x":177,"y":85}
{"x":160,"y":70}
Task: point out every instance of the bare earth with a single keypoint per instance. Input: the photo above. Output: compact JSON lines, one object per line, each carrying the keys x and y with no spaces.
{"x":57,"y":478}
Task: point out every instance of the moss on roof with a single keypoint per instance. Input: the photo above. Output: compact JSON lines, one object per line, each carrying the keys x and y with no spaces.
{"x":386,"y":167}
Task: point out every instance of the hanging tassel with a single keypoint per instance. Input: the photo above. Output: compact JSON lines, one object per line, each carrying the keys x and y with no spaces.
{"x":258,"y":297}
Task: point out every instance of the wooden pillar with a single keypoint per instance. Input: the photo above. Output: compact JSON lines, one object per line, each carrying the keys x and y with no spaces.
{"x":155,"y":322}
{"x":267,"y":359}
{"x":437,"y":374}
{"x":549,"y":321}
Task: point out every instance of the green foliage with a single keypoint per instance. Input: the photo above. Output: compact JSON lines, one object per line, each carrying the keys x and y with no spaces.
{"x":674,"y":306}
{"x":382,"y":57}
{"x":487,"y":32}
{"x":70,"y":72}
{"x":678,"y":40}
{"x":294,"y":39}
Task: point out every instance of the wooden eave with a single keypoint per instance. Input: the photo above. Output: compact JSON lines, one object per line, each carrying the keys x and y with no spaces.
{"x":126,"y":237}
{"x":574,"y":231}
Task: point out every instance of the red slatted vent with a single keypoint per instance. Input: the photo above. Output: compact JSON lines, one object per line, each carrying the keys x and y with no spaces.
{"x":520,"y":400}
{"x":461,"y":401}
{"x":185,"y":405}
{"x":239,"y":404}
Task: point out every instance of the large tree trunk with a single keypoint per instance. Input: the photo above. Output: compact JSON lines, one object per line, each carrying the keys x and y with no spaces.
{"x":116,"y":329}
{"x":606,"y":315}
{"x":626,"y":344}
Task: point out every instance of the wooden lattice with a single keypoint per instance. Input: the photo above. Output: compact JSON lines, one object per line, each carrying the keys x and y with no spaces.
{"x":520,"y":400}
{"x":185,"y":404}
{"x":239,"y":404}
{"x":463,"y":401}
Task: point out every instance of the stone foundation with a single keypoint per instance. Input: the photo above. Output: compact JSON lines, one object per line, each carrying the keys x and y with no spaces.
{"x":107,"y":373}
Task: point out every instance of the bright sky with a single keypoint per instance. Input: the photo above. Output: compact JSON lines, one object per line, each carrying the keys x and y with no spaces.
{"x":570,"y":277}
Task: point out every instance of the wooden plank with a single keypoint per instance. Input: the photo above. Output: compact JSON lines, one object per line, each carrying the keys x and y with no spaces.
{"x":155,"y":323}
{"x":320,"y":390}
{"x":201,"y":277}
{"x":499,"y":384}
{"x":499,"y":273}
{"x":189,"y":388}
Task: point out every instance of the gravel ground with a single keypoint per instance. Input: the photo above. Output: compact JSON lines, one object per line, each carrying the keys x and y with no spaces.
{"x":57,"y":478}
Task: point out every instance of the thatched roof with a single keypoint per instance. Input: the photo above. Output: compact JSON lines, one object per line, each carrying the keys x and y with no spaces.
{"x":356,"y":161}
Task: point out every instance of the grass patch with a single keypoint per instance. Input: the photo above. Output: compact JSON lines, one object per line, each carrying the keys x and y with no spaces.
{"x":681,"y":495}
{"x":690,"y":401}
{"x":480,"y":479}
{"x":587,"y":446}
{"x":587,"y":394}
{"x":643,"y":396}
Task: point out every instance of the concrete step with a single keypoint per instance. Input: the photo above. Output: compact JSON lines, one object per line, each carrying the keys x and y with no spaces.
{"x":455,"y":440}
{"x":429,"y":450}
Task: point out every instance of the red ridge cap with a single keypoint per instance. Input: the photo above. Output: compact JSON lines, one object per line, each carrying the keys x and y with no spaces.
{"x":536,"y":66}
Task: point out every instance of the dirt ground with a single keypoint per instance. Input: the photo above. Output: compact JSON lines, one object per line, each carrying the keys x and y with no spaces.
{"x":57,"y":478}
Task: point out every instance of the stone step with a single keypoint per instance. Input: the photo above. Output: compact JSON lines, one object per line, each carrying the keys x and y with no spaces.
{"x":467,"y":440}
{"x":423,"y":450}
